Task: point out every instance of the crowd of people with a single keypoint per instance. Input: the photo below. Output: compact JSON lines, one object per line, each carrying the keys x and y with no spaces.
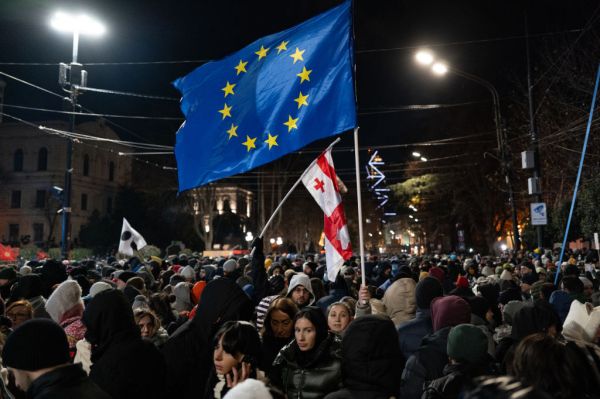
{"x":273,"y":326}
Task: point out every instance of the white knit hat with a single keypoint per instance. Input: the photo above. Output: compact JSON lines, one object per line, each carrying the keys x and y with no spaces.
{"x":188,"y":272}
{"x":249,"y":389}
{"x":66,"y":296}
{"x":98,"y":287}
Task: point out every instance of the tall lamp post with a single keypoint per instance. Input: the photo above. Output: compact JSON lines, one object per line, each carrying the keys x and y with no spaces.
{"x":439,"y":68}
{"x":71,"y":77}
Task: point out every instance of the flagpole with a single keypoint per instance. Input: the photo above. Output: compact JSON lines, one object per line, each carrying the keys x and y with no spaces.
{"x":262,"y":233}
{"x":359,"y":202}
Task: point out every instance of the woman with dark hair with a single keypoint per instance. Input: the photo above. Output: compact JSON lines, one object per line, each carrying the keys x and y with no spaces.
{"x":555,"y":368}
{"x":278,"y":330}
{"x":309,"y":366}
{"x":236,"y":356}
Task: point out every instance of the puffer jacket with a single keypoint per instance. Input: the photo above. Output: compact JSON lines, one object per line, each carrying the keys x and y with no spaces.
{"x":316,"y":379}
{"x":399,"y":300}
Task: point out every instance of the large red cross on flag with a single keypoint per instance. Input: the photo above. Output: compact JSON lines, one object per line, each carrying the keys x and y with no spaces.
{"x":321,"y":182}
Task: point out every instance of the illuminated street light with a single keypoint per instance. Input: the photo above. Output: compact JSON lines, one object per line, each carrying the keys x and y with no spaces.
{"x":416,"y":220}
{"x":424,"y":57}
{"x":439,"y":68}
{"x":411,"y":216}
{"x":272,"y":241}
{"x":423,"y":159}
{"x":76,"y":25}
{"x":279,"y":241}
{"x":416,"y":154}
{"x":503,"y":247}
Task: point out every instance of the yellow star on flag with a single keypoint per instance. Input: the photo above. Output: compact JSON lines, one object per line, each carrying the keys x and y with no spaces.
{"x":226,"y":111}
{"x":282,"y":47}
{"x":228,"y":89}
{"x":232,"y":131}
{"x":249,"y":143}
{"x":241,"y":67}
{"x":272,"y":140}
{"x":297,"y":56}
{"x":291,"y":123}
{"x":301,"y":100}
{"x":304,"y":75}
{"x":262,"y":53}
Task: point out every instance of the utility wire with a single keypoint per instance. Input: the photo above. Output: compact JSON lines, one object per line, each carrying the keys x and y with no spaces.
{"x":166,"y":118}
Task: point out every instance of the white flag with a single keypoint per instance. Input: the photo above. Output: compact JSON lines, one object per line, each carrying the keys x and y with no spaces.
{"x":321,"y":182}
{"x":131,"y":240}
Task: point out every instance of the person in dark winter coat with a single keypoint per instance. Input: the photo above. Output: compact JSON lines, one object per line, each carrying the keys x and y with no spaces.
{"x":37,"y":354}
{"x":467,"y":351}
{"x":310,"y":366}
{"x":278,"y":330}
{"x":539,"y":318}
{"x":411,"y":333}
{"x":30,"y":287}
{"x":429,"y":360}
{"x":189,"y":351}
{"x":123,"y":364}
{"x":371,"y":368}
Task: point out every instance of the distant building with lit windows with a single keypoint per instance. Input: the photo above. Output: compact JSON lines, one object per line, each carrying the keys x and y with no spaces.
{"x":32,"y":162}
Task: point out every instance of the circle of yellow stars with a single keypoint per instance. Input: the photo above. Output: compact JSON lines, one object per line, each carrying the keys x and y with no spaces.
{"x":301,"y":100}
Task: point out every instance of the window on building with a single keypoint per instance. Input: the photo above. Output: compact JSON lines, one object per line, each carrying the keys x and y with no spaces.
{"x":84,"y":202}
{"x":40,"y":198}
{"x":43,"y":159}
{"x":18,"y":161}
{"x":109,"y":205}
{"x":86,"y":165}
{"x":15,"y":199}
{"x":13,"y":233}
{"x":111,"y":171}
{"x":38,"y":232}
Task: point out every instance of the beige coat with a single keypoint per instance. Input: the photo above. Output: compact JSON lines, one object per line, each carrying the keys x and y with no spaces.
{"x":399,"y":300}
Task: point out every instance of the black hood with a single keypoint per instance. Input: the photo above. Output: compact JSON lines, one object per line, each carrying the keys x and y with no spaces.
{"x":372,"y":364}
{"x":222,"y":300}
{"x":28,"y":286}
{"x":108,"y":319}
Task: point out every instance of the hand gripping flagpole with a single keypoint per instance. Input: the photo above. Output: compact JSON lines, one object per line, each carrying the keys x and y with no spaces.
{"x":585,"y":142}
{"x":262,"y":233}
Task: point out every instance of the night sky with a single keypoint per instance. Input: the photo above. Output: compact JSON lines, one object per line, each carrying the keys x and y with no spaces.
{"x":482,"y":37}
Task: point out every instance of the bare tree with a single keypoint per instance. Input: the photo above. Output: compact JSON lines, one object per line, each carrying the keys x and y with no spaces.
{"x":201,"y":204}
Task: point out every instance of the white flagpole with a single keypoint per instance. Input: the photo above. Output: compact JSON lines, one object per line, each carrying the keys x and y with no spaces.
{"x":262,"y":233}
{"x":359,"y":202}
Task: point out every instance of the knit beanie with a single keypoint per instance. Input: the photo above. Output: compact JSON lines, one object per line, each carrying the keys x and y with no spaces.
{"x":99,"y":287}
{"x":8,"y":273}
{"x":64,"y":298}
{"x":462,"y":282}
{"x":426,"y":290}
{"x":536,"y":290}
{"x":510,"y":309}
{"x":437,"y":273}
{"x":249,"y":389}
{"x":467,"y":344}
{"x":36,"y":344}
{"x":188,"y":273}
{"x":229,"y":266}
{"x":140,"y":301}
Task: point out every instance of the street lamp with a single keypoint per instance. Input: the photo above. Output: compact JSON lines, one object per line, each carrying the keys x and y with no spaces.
{"x":77,"y":25}
{"x":426,"y":57}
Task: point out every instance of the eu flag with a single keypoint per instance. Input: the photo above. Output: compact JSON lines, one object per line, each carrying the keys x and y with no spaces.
{"x":271,"y":98}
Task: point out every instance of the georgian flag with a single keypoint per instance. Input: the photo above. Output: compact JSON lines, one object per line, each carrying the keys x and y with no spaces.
{"x":321,"y":182}
{"x":131,"y":240}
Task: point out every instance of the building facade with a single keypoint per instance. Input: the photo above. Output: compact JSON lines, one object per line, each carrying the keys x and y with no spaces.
{"x":32,"y":172}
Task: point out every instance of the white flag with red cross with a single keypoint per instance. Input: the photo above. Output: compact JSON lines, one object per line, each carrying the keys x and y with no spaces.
{"x":321,"y":182}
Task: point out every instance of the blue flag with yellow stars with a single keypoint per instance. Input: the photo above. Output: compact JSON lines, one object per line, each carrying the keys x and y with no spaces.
{"x":271,"y":98}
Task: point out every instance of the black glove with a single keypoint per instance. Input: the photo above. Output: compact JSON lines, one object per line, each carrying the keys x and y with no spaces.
{"x":257,"y":245}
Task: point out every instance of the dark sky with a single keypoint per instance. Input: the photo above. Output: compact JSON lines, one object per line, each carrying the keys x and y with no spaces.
{"x":481,"y":37}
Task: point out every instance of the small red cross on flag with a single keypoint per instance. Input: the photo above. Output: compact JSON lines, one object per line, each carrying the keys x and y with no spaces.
{"x":321,"y":182}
